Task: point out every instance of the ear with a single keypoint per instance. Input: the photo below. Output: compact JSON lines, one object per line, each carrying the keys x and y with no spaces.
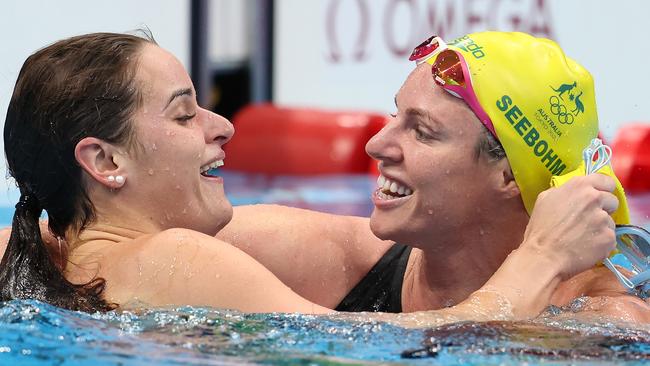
{"x":507,"y":184}
{"x":100,"y":160}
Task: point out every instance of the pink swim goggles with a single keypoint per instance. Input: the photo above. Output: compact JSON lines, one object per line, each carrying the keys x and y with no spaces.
{"x":450,"y":71}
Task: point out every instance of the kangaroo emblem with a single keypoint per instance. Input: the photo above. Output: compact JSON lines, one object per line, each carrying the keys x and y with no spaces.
{"x":565,"y":88}
{"x":579,"y":106}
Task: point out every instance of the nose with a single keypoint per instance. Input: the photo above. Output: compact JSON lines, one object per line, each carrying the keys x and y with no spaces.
{"x":217,"y":128}
{"x":384,"y":145}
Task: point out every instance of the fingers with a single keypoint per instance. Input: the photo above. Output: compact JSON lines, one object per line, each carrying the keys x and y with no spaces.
{"x":601,"y":182}
{"x":608,"y":202}
{"x":604,"y":186}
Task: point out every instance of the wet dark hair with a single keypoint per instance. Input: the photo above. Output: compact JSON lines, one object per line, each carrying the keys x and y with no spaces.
{"x":79,"y":87}
{"x":488,"y":146}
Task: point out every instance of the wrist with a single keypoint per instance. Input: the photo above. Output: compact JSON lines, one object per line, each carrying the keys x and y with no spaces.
{"x":527,"y":279}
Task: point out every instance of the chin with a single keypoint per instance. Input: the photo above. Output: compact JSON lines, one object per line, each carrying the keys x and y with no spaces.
{"x":210,"y":220}
{"x":407,"y":231}
{"x":216,"y":220}
{"x":386,"y":229}
{"x":224,"y":218}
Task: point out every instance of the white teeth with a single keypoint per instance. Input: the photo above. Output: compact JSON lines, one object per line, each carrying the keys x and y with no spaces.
{"x":214,"y":164}
{"x":380,"y":181}
{"x":386,"y":185}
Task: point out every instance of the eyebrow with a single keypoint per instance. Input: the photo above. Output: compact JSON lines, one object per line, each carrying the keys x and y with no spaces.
{"x":179,"y":93}
{"x":420,"y":113}
{"x":423,"y":115}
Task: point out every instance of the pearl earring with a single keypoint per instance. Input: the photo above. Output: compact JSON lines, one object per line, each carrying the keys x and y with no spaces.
{"x":120,"y":180}
{"x":110,"y":178}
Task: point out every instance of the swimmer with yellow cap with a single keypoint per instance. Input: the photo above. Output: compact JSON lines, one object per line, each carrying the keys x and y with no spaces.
{"x":541,"y":129}
{"x":482,"y":125}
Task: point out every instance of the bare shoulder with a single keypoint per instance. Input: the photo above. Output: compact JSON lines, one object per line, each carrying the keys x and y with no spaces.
{"x":185,"y":267}
{"x":187,"y":250}
{"x":596,"y":281}
{"x":605,"y":296}
{"x":171,"y":240}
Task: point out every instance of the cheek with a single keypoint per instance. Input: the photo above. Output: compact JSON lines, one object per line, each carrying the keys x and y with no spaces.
{"x":176,"y":144}
{"x":447,"y":180}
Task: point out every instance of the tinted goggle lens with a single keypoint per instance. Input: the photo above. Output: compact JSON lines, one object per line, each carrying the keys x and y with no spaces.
{"x":448,"y":69}
{"x":425,"y":48}
{"x":634,"y":243}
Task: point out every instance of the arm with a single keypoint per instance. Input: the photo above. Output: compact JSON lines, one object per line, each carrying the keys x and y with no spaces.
{"x":183,"y":267}
{"x":320,"y":256}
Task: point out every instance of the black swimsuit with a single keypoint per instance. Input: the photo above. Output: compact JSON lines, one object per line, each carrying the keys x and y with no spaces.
{"x":381,"y":288}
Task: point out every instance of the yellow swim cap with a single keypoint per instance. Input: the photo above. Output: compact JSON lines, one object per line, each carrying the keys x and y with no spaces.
{"x":540,"y":101}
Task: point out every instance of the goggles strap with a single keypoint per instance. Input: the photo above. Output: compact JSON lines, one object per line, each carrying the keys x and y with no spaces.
{"x":640,"y":278}
{"x":596,"y":156}
{"x":624,"y":280}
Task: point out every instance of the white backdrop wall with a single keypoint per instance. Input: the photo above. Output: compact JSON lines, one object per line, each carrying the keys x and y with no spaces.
{"x":354,"y":53}
{"x":28,"y":25}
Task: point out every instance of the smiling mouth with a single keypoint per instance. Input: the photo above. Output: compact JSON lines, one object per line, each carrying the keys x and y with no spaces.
{"x":210,"y":170}
{"x":389,"y":189}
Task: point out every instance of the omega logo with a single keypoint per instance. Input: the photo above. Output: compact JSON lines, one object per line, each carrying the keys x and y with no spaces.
{"x":402,"y":24}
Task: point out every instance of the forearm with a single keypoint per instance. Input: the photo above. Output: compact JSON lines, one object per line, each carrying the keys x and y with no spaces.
{"x":520,"y":289}
{"x":527,"y":280}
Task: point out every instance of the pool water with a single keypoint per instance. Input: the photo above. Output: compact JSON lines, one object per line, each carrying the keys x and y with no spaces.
{"x":33,"y":333}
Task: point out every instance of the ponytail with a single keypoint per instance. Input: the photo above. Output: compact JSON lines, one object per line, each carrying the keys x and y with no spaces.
{"x":79,"y":87}
{"x":28,"y":272}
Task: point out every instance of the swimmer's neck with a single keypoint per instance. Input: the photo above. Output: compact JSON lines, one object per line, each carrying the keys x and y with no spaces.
{"x":445,"y":271}
{"x":101,"y":232}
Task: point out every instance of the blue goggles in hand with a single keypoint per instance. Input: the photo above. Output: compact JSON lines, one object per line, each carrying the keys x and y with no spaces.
{"x":633,"y":242}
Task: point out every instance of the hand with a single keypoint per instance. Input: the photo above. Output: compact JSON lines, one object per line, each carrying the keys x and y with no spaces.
{"x":571,"y":223}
